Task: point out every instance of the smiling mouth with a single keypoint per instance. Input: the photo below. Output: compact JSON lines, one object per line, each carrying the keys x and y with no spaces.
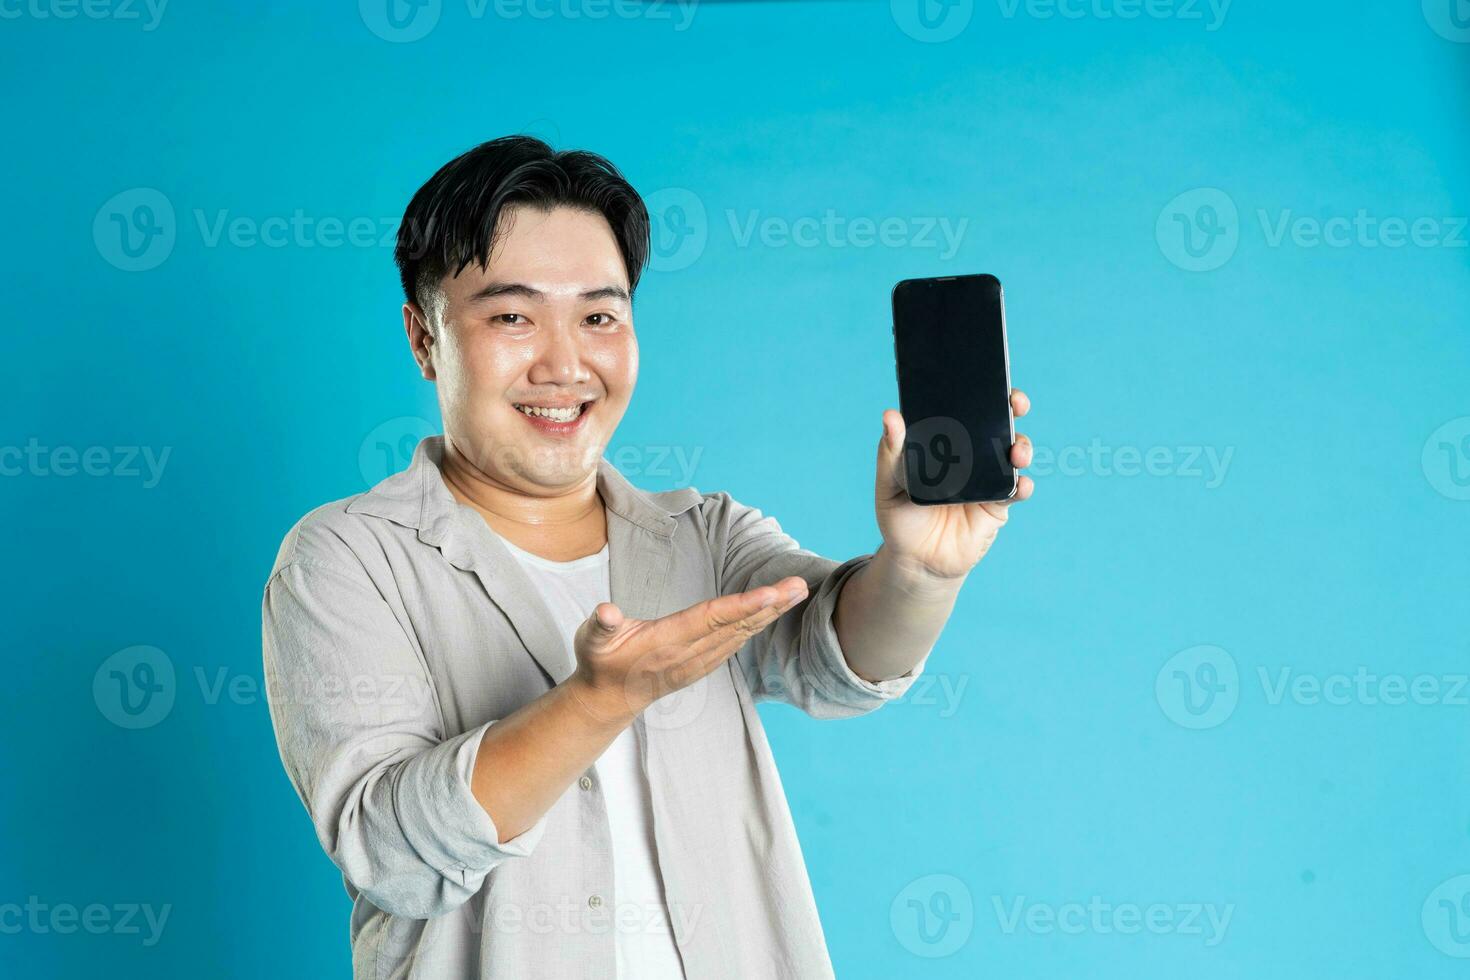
{"x":557,"y":415}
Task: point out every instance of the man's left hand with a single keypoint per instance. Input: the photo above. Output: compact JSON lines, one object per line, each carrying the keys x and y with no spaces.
{"x":940,"y":543}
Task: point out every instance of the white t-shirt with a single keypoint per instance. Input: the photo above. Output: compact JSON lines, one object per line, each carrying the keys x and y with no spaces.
{"x":645,"y":946}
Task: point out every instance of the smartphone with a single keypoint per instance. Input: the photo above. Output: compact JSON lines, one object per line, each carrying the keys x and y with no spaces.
{"x":954,"y":389}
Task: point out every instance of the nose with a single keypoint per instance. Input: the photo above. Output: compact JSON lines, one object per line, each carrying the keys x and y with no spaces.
{"x":559,"y":358}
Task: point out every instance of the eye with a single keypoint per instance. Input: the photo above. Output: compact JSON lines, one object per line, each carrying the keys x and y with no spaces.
{"x":509,"y":318}
{"x":601,"y":319}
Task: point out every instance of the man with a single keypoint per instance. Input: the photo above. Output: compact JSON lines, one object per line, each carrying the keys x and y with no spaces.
{"x":516,"y":693}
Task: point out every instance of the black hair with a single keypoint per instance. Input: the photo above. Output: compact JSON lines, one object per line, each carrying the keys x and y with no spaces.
{"x":452,"y":219}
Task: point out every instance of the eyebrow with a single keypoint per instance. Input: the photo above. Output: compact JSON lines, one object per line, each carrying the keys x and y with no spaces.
{"x":521,"y":289}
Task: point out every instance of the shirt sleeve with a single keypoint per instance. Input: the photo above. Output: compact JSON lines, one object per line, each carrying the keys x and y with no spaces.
{"x":797,"y":659}
{"x":363,"y":741}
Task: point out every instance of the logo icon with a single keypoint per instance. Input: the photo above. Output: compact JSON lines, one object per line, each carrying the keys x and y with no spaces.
{"x":1198,"y":687}
{"x":1446,"y":917}
{"x":678,"y":229}
{"x":1450,"y":19}
{"x":1199,"y":230}
{"x":1446,"y":459}
{"x":938,"y":457}
{"x":134,"y":688}
{"x":135,"y":230}
{"x":933,"y":916}
{"x":399,"y":21}
{"x":932,"y":21}
{"x":389,"y":448}
{"x":678,"y":708}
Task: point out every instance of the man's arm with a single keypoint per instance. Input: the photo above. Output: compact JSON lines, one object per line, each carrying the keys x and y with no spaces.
{"x":799,"y":660}
{"x":892,"y":610}
{"x":364,"y":742}
{"x":528,"y":759}
{"x":870,"y":624}
{"x":414,"y":817}
{"x":888,"y":617}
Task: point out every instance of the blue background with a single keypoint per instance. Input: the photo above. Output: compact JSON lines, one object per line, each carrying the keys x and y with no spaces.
{"x":1336,"y":539}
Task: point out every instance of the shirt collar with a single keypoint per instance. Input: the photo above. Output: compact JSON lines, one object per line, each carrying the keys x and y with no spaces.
{"x":418,"y":498}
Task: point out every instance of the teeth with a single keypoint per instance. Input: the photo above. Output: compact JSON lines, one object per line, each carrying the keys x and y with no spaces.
{"x":554,"y":414}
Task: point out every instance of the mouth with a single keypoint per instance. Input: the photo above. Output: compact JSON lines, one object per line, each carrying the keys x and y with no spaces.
{"x":555,"y":419}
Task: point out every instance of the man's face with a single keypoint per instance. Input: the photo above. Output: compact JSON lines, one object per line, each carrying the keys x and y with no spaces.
{"x":547,"y":324}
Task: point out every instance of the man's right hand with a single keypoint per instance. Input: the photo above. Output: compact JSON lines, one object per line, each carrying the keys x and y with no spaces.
{"x":624,"y":665}
{"x":529,"y":758}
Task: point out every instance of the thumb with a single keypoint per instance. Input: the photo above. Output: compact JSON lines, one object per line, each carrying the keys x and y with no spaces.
{"x":892,"y":479}
{"x":599,"y":627}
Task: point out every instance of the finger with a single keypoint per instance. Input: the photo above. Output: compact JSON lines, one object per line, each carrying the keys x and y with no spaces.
{"x":724,"y":611}
{"x":1021,"y":452}
{"x":1020,"y":404}
{"x":606,"y":618}
{"x":718,"y":613}
{"x":891,"y":478}
{"x":999,"y":509}
{"x":1025,"y":487}
{"x":787,"y":593}
{"x":718,"y":645}
{"x":706,"y":653}
{"x":793,"y":589}
{"x":604,"y":623}
{"x":679,"y":643}
{"x":679,"y":662}
{"x":677,"y":665}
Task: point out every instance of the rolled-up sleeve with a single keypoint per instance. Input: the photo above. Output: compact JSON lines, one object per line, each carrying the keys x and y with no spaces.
{"x":363,"y":740}
{"x":797,"y":659}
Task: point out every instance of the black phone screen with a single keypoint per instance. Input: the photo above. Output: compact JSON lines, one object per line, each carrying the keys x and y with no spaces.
{"x":954,"y":389}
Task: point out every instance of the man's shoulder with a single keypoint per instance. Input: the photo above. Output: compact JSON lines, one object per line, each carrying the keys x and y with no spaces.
{"x":719,"y":508}
{"x":333,"y":534}
{"x":682,"y":499}
{"x":682,"y":504}
{"x":709,"y":509}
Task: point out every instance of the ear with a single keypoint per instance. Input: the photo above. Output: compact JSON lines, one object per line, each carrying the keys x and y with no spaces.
{"x":420,"y":340}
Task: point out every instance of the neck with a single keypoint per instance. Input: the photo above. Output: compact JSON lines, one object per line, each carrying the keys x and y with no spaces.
{"x":518,"y":515}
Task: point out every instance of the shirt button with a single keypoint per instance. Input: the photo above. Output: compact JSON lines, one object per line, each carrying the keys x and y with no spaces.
{"x":595,"y":901}
{"x":585,"y":782}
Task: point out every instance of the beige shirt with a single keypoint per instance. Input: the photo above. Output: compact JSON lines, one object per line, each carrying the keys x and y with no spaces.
{"x":398,"y":628}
